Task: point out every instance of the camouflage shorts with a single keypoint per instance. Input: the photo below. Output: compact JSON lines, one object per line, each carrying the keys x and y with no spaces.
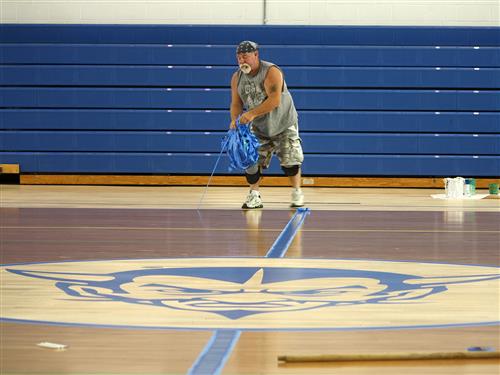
{"x":287,"y":146}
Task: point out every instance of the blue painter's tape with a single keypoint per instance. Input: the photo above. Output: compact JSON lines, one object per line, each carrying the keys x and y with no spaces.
{"x":480,"y":349}
{"x":216,"y":353}
{"x":280,"y":246}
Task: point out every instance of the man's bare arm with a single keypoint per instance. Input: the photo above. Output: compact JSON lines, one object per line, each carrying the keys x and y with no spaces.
{"x":236,"y":103}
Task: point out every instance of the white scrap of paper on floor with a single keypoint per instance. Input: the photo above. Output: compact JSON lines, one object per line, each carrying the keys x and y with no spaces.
{"x":472,"y":197}
{"x":52,"y":345}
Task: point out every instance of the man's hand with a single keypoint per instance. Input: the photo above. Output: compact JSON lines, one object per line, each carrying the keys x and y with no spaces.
{"x":246,"y":117}
{"x":232,"y":125}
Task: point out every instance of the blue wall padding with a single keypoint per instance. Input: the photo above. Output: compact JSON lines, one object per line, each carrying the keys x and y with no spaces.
{"x":316,"y":143}
{"x":269,"y":34}
{"x":217,"y":55}
{"x":310,"y":121}
{"x":195,"y":98}
{"x":196,"y":76}
{"x":189,"y":163}
{"x":372,"y":101}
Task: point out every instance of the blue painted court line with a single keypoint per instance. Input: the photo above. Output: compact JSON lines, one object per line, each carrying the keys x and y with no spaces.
{"x":214,"y":356}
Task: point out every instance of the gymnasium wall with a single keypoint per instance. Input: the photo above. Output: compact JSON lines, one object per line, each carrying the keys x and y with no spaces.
{"x":376,"y":101}
{"x":120,"y":98}
{"x":244,"y":12}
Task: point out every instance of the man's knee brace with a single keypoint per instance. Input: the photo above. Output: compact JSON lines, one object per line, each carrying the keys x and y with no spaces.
{"x":291,"y":170}
{"x":253,"y":175}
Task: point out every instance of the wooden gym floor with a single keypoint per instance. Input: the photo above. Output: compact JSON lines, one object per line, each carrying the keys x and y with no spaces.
{"x":72,"y":256}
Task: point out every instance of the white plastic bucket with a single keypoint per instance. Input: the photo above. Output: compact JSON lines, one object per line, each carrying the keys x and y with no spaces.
{"x":454,"y":187}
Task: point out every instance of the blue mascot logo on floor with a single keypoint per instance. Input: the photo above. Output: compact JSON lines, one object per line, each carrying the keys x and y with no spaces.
{"x":253,"y":296}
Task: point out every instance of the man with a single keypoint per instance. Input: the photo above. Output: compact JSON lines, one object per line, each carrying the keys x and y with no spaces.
{"x":259,"y":87}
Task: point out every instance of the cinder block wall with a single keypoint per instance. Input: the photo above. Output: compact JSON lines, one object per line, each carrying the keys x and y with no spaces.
{"x":248,"y":12}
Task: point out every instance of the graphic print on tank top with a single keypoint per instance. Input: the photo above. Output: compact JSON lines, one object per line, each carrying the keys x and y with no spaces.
{"x":254,"y":94}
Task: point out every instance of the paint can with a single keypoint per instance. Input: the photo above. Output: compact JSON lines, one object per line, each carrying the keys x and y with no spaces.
{"x":472,"y":182}
{"x":469,"y":187}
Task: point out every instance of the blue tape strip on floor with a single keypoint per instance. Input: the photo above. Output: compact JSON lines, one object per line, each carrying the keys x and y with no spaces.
{"x":280,"y":246}
{"x":214,"y":356}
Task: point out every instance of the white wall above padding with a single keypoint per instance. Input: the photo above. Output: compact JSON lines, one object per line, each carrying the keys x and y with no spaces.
{"x":248,"y":12}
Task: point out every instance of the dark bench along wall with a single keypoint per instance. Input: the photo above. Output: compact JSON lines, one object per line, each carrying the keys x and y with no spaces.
{"x":154,"y":99}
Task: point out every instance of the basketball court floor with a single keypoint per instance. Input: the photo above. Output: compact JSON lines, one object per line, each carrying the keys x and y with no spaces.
{"x":149,"y":280}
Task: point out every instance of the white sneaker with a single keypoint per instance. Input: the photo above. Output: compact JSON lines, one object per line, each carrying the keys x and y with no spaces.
{"x":253,"y":200}
{"x":297,"y":198}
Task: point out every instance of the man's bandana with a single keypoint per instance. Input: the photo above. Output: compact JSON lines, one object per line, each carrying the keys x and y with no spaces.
{"x":247,"y":46}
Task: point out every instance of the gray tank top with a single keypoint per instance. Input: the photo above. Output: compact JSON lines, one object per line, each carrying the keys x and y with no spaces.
{"x":252,"y":93}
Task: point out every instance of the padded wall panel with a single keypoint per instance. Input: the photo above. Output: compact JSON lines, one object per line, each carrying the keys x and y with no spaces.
{"x":283,"y":55}
{"x":326,"y":143}
{"x":203,"y":76}
{"x":309,"y":121}
{"x":345,"y":165}
{"x":268,"y":34}
{"x":313,"y":99}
